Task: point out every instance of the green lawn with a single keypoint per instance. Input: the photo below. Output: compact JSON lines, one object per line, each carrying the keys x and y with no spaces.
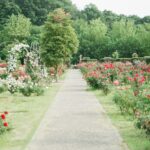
{"x":135,"y":138}
{"x":25,"y":114}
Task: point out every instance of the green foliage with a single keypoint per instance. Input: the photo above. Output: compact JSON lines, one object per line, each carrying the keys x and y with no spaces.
{"x":105,"y":88}
{"x":98,"y":39}
{"x":36,"y":10}
{"x":92,"y":38}
{"x":38,"y":90}
{"x":27,"y":90}
{"x":2,"y":88}
{"x":126,"y":101}
{"x":94,"y":82}
{"x":147,"y":59}
{"x":59,"y":40}
{"x":66,"y":5}
{"x":7,"y":8}
{"x":18,"y":28}
{"x":35,"y":34}
{"x":90,"y":12}
{"x":144,"y":123}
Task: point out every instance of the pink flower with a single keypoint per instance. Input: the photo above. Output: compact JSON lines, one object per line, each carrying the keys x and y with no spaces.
{"x":137,"y":75}
{"x":142,"y":80}
{"x":116,"y":82}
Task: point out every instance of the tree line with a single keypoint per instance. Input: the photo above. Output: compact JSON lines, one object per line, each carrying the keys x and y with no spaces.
{"x":100,"y":33}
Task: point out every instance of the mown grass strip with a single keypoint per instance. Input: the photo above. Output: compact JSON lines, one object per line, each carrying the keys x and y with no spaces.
{"x":133,"y":137}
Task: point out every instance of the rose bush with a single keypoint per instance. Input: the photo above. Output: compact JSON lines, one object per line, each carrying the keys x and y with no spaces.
{"x":131,"y":83}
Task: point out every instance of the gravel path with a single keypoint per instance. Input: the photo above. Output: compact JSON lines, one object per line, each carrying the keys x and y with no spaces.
{"x":76,"y":121}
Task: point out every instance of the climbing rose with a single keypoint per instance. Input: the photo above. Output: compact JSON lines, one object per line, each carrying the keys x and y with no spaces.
{"x":116,"y":83}
{"x":5,"y":124}
{"x":3,"y":116}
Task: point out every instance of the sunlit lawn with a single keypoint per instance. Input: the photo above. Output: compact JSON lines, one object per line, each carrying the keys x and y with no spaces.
{"x":135,"y":138}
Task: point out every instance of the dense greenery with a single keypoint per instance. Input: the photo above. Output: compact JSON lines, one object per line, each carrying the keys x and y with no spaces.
{"x":100,"y":32}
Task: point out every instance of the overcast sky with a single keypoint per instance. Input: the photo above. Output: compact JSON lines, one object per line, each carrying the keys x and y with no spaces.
{"x":127,"y":7}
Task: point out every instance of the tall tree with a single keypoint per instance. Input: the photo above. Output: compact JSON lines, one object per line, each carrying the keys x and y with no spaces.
{"x":59,"y":40}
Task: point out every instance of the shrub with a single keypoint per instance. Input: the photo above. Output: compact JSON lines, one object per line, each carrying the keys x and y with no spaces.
{"x":27,"y":91}
{"x":143,"y":104}
{"x":2,"y":88}
{"x":144,"y":123}
{"x":3,"y":75}
{"x":105,"y":88}
{"x":38,"y":90}
{"x":126,"y":101}
{"x":94,"y":82}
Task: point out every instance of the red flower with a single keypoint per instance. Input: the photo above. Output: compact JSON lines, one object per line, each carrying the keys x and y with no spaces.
{"x":5,"y":124}
{"x":6,"y":112}
{"x":3,"y":116}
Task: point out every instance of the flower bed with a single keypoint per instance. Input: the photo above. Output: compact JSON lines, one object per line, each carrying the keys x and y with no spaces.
{"x":131,"y":83}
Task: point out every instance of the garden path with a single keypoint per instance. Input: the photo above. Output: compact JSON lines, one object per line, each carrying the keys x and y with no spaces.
{"x":76,"y":121}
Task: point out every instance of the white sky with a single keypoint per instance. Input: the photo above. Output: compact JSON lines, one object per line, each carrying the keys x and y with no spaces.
{"x":127,"y":7}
